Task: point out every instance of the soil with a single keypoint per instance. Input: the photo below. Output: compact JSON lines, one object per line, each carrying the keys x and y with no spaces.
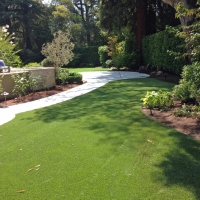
{"x":38,"y":94}
{"x":188,"y":126}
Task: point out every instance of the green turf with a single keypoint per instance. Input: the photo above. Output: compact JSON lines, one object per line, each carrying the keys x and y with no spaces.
{"x":91,"y":69}
{"x":96,"y":147}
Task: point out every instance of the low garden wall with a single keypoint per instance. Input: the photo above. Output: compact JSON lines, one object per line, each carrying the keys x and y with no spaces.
{"x":46,"y":73}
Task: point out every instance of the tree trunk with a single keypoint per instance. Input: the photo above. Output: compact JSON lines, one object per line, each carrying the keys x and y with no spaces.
{"x":140,"y":24}
{"x":189,"y":4}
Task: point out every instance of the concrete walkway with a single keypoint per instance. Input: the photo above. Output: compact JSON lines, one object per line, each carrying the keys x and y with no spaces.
{"x":94,"y":81}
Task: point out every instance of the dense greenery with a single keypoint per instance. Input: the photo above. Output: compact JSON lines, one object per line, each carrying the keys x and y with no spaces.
{"x":158,"y":50}
{"x":189,"y":86}
{"x":85,"y":57}
{"x":7,"y":48}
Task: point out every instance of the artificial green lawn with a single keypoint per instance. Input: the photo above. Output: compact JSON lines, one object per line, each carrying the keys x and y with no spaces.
{"x":96,"y":147}
{"x":93,"y":69}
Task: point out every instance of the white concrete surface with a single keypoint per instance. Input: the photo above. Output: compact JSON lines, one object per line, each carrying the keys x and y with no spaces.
{"x":94,"y":81}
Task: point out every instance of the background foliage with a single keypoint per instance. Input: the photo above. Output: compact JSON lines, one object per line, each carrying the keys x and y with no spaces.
{"x":157,"y":49}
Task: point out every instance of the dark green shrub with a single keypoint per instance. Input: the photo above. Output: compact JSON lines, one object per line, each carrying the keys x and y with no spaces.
{"x":189,"y":86}
{"x":74,"y":78}
{"x":103,"y":55}
{"x":85,"y":57}
{"x":158,"y":49}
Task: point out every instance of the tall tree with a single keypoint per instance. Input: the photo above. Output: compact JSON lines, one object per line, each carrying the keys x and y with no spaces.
{"x":189,"y":4}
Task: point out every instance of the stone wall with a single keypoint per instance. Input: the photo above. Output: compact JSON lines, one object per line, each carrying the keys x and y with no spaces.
{"x":47,"y":74}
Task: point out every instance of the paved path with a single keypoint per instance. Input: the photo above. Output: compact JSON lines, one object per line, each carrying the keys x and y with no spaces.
{"x":94,"y":81}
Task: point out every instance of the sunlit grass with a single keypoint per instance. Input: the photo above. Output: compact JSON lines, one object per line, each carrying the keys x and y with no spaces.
{"x":97,"y":147}
{"x":92,"y":69}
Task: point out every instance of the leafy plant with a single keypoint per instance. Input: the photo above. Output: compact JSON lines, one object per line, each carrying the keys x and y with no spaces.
{"x":160,"y":100}
{"x":32,"y":64}
{"x":34,"y":82}
{"x":59,"y":51}
{"x":61,"y":76}
{"x":189,"y":85}
{"x":7,"y":48}
{"x":188,"y":111}
{"x":74,"y":78}
{"x":103,"y":54}
{"x":21,"y":84}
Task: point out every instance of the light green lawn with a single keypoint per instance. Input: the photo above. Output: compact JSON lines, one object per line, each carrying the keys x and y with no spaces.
{"x":96,"y":147}
{"x":93,"y":69}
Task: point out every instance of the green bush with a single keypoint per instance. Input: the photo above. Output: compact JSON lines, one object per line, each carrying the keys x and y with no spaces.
{"x":34,"y":82}
{"x":85,"y":57}
{"x":187,"y":111}
{"x":32,"y":64}
{"x":21,"y":84}
{"x":46,"y":62}
{"x":7,"y":48}
{"x":162,"y":49}
{"x":160,"y":100}
{"x":120,"y":56}
{"x":74,"y":78}
{"x":189,"y":85}
{"x":62,"y":75}
{"x":103,"y":55}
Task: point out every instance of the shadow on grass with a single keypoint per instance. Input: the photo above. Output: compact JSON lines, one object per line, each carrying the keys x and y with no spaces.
{"x":181,"y":165}
{"x":114,"y":112}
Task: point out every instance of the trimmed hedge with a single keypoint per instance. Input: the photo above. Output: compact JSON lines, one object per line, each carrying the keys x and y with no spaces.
{"x":85,"y":57}
{"x":156,"y":50}
{"x":74,"y":78}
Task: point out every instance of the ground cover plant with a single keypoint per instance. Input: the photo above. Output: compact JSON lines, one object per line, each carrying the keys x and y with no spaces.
{"x":98,"y":146}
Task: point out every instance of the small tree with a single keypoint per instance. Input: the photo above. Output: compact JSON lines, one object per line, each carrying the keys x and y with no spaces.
{"x":59,"y":51}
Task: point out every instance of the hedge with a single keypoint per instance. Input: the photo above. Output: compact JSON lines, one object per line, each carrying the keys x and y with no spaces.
{"x":85,"y":57}
{"x":156,"y":50}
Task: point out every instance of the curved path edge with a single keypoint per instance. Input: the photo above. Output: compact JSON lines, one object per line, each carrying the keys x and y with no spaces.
{"x":94,"y":81}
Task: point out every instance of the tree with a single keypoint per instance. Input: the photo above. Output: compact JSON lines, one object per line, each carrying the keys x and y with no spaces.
{"x":59,"y":51}
{"x":86,"y":10}
{"x":189,"y":4}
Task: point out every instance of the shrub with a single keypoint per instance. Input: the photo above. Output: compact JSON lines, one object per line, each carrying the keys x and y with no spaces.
{"x":21,"y":84}
{"x":7,"y":46}
{"x":61,"y":75}
{"x":164,"y":49}
{"x":85,"y":57}
{"x":46,"y":62}
{"x":189,"y":85}
{"x":32,"y":64}
{"x":103,"y":55}
{"x":187,"y":111}
{"x":160,"y":100}
{"x":34,"y":82}
{"x":74,"y":78}
{"x":120,"y":53}
{"x":109,"y":63}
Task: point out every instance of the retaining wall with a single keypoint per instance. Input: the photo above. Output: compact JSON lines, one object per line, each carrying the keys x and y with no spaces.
{"x":46,"y":73}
